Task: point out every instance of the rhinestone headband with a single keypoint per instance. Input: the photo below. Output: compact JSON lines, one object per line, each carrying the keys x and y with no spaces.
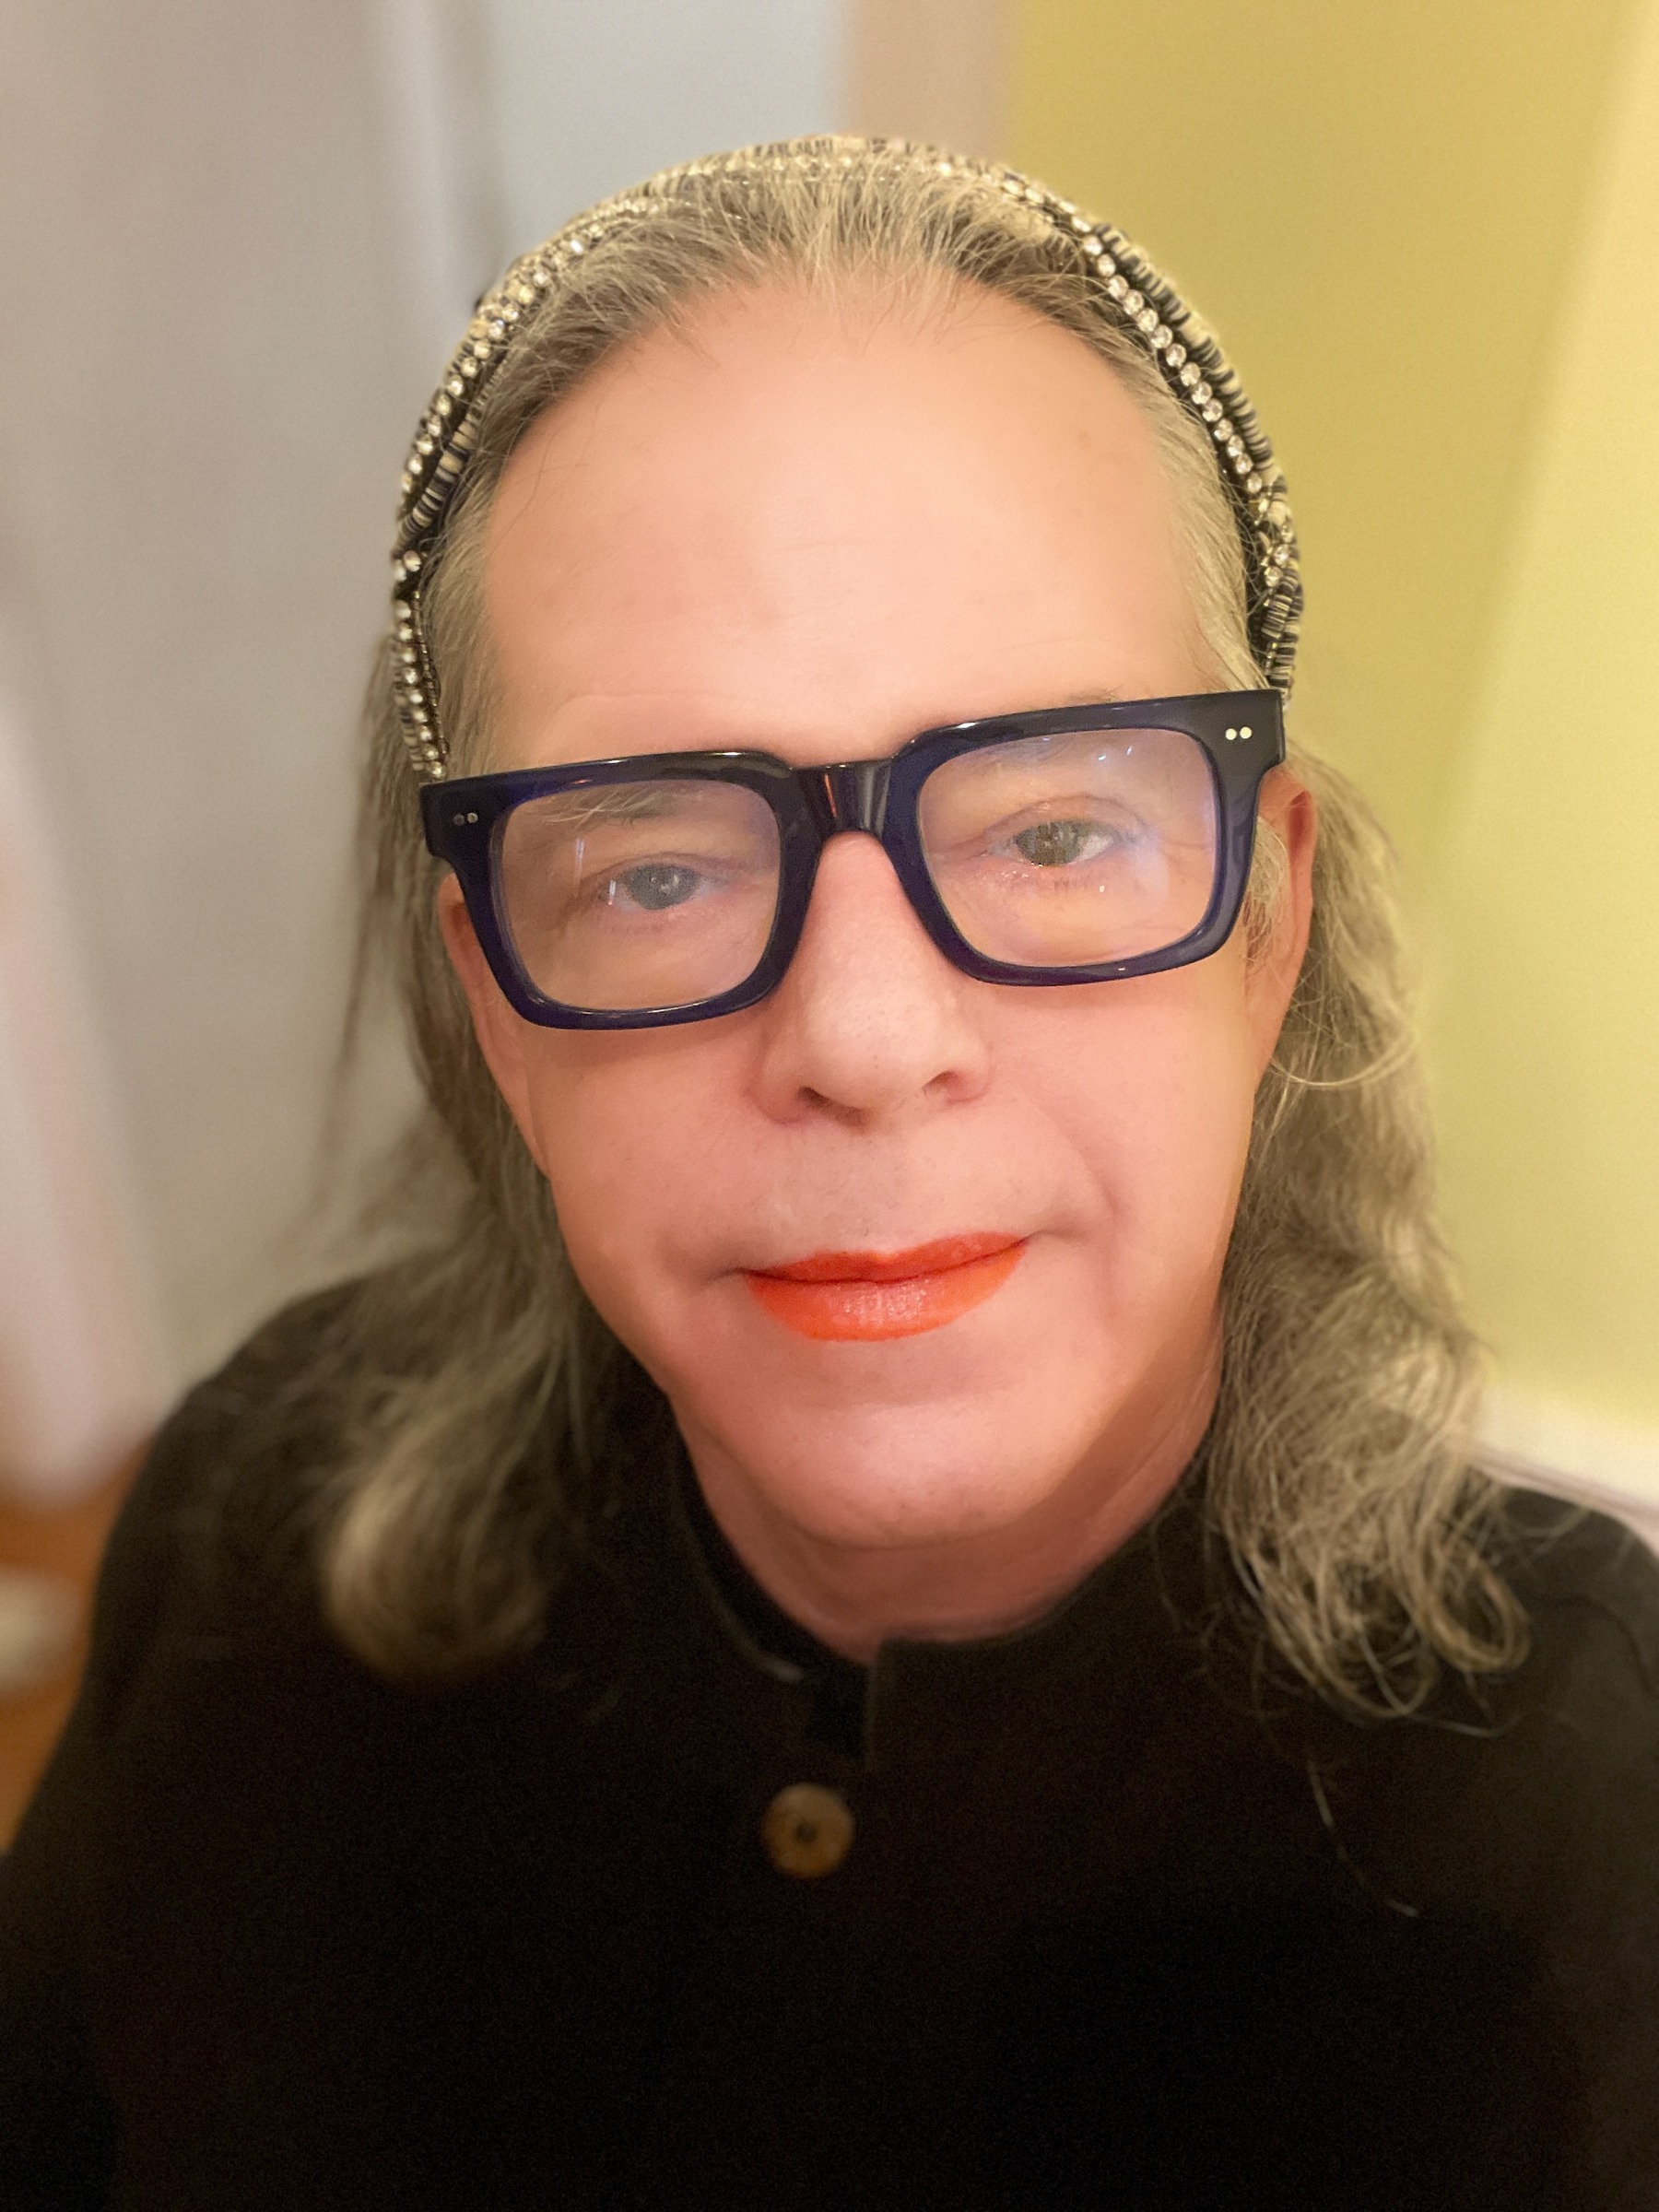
{"x":1128,"y":292}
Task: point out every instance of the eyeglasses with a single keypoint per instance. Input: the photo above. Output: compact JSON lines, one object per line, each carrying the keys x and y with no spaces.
{"x":1074,"y":845}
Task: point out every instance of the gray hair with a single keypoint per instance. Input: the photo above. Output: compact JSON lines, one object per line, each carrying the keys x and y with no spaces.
{"x":471,"y":1386}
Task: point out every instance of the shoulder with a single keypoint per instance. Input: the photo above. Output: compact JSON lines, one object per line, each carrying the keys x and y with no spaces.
{"x":1590,"y":1588}
{"x":263,"y":1399}
{"x":1532,"y":1779}
{"x":1579,"y":1712}
{"x":1536,"y":1791}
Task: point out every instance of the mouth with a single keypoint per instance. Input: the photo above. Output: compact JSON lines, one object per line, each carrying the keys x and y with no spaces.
{"x":868,"y":1297}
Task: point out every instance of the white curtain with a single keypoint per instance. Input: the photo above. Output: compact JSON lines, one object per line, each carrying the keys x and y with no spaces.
{"x":81,"y":1381}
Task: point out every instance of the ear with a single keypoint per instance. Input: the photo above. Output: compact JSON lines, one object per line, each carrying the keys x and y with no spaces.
{"x":1289,"y":810}
{"x":501,"y":1033}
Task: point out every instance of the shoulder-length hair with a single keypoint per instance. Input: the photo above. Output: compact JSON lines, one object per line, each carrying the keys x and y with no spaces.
{"x":469,"y":1386}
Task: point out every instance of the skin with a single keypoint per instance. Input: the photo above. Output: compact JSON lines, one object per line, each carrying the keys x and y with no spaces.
{"x":813,"y":529}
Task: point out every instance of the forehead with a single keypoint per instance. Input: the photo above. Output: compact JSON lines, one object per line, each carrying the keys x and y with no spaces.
{"x":821,"y":523}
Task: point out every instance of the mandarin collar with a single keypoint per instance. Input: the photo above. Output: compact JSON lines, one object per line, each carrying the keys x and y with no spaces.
{"x":1131,"y":1620}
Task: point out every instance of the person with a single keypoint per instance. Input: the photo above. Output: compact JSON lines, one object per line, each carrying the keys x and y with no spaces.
{"x":889,"y":1604}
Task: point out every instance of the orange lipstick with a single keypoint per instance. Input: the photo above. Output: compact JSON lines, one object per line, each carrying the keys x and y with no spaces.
{"x":866,"y":1296}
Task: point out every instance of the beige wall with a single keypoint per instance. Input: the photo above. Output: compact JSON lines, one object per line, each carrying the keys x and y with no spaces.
{"x":938,"y":70}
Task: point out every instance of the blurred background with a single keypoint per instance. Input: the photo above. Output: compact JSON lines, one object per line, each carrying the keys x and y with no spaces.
{"x":236,"y":245}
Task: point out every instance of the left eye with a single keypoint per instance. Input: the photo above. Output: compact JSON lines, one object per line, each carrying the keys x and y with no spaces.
{"x":1060,"y":844}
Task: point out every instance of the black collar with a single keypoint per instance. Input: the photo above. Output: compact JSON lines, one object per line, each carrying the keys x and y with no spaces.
{"x":1133,"y":1614}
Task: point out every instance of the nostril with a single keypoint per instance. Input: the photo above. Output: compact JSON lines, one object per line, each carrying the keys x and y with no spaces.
{"x":849,"y":1112}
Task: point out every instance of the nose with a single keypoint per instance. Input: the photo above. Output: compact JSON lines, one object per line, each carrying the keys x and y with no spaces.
{"x":871,"y":1020}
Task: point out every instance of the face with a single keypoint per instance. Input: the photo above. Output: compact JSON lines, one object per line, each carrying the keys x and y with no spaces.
{"x":805,"y":531}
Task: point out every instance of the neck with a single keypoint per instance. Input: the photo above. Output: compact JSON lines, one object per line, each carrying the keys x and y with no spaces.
{"x":854,"y":1597}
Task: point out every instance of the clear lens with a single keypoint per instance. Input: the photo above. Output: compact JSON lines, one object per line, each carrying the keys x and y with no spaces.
{"x":1075,"y":850}
{"x":633,"y":895}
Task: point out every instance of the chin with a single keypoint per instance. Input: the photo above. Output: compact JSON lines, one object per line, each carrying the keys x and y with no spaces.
{"x":947,"y":1436}
{"x":879,"y":1478}
{"x":879,"y":1514}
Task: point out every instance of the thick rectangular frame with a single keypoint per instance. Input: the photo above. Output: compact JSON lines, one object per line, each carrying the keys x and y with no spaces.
{"x":1242,"y":733}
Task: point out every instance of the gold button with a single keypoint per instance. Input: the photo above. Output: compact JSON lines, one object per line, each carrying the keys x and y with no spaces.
{"x":806,"y":1831}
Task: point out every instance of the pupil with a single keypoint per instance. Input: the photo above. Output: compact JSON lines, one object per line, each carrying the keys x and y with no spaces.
{"x":655,"y":887}
{"x":1054,"y":844}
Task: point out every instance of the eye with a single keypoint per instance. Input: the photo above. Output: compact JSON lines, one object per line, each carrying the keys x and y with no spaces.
{"x":653,"y":886}
{"x":1060,"y":844}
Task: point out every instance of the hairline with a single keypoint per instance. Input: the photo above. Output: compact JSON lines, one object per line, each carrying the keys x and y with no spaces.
{"x":1205,"y":535}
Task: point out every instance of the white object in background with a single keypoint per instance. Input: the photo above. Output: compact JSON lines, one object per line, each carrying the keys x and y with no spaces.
{"x":441,"y":149}
{"x":1543,"y":1445}
{"x":81,"y":1379}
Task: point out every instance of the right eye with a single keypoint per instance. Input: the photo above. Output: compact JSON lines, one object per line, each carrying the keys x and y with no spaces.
{"x":653,"y":886}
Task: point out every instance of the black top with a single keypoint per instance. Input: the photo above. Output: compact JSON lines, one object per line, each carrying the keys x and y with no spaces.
{"x":1114,"y":1928}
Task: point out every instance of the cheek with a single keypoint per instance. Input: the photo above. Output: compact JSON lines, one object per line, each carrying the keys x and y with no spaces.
{"x":630,"y":1131}
{"x":1152,"y":1090}
{"x":1117,"y":1118}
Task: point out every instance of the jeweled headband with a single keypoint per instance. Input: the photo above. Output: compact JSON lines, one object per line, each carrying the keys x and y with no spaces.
{"x":1128,"y":291}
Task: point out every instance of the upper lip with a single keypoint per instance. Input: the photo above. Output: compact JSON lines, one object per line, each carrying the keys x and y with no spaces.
{"x":893,"y":1267}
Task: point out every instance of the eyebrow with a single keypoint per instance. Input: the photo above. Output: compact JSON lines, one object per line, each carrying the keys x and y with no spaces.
{"x":1104,"y":695}
{"x":1101,"y":695}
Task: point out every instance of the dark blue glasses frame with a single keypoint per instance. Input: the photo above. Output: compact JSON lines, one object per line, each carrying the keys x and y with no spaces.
{"x":1242,"y":733}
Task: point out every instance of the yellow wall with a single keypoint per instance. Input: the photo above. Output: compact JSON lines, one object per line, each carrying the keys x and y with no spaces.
{"x":1428,"y":235}
{"x":1544,"y":1021}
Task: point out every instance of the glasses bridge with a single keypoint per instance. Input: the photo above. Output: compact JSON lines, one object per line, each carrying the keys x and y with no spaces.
{"x":848,"y":794}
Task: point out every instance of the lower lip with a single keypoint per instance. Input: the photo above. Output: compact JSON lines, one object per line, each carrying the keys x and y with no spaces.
{"x":867,"y":1298}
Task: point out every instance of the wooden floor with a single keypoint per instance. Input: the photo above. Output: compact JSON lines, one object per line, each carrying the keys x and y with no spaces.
{"x":69,"y":1544}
